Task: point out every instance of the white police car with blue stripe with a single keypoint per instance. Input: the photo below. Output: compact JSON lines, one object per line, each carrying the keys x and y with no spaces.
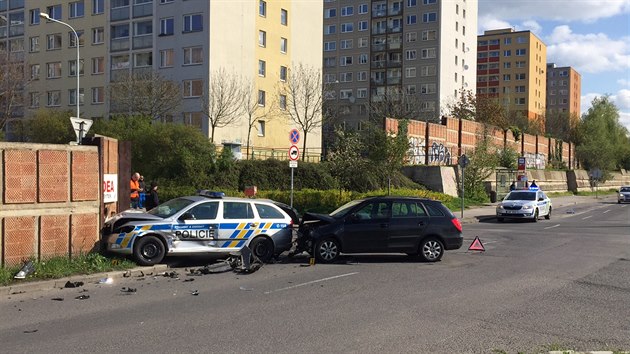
{"x":524,"y":204}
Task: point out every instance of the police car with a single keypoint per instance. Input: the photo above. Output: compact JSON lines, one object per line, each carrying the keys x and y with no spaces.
{"x":524,"y":204}
{"x":208,"y":223}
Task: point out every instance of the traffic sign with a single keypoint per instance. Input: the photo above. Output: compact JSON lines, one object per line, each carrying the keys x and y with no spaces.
{"x":293,"y":164}
{"x":294,"y":153}
{"x":476,"y":245}
{"x":522,"y":164}
{"x":463,"y":161}
{"x":294,"y":136}
{"x":81,"y":126}
{"x":596,"y":173}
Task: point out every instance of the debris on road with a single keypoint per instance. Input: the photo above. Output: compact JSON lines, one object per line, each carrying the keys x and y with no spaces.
{"x":82,"y":297}
{"x":128,"y":290}
{"x":106,"y":281}
{"x":73,"y":284}
{"x":57,"y":299}
{"x":27,"y":269}
{"x":194,"y":293}
{"x":243,"y":262}
{"x":189,"y":280}
{"x":172,"y":275}
{"x":127,"y":274}
{"x":31,"y":331}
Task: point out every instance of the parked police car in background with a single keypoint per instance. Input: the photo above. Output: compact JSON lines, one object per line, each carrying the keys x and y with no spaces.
{"x":624,"y":194}
{"x":524,"y":204}
{"x":205,"y":224}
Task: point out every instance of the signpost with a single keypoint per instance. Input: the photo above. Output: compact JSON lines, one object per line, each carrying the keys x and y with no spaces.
{"x":596,"y":174}
{"x":521,"y":175}
{"x":81,"y":126}
{"x":294,"y":155}
{"x":463,"y":162}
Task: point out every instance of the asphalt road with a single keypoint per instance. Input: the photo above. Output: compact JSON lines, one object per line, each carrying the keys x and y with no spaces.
{"x":563,"y":282}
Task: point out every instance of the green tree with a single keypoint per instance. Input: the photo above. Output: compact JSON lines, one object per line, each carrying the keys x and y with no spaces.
{"x":602,"y":140}
{"x":345,"y":159}
{"x":483,"y":161}
{"x":387,"y":150}
{"x":50,"y":127}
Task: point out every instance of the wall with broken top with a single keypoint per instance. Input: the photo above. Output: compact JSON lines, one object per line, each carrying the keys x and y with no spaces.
{"x":50,"y":202}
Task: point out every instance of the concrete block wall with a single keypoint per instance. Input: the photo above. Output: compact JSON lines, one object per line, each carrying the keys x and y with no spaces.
{"x":50,"y":200}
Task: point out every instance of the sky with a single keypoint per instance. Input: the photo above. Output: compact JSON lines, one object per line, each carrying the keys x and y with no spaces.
{"x":592,"y":36}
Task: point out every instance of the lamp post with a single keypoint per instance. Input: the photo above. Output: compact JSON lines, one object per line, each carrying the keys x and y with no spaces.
{"x":76,"y":35}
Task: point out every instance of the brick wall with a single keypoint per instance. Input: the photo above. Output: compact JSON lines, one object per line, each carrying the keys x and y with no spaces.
{"x":50,"y":200}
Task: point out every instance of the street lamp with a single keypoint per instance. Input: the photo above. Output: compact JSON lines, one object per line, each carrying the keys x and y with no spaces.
{"x":76,"y":35}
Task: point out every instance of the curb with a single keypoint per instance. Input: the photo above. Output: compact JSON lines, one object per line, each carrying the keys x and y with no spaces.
{"x":40,"y":285}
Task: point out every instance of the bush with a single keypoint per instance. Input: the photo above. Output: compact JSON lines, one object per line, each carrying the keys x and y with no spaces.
{"x":508,"y":158}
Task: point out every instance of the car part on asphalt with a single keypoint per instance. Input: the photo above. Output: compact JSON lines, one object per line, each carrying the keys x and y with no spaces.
{"x":26,"y":270}
{"x":82,"y":297}
{"x":73,"y":284}
{"x":128,"y":290}
{"x":57,"y":299}
{"x":194,"y":293}
{"x":106,"y":281}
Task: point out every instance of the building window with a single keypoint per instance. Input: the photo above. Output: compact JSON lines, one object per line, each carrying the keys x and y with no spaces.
{"x":521,"y":52}
{"x":35,"y":72}
{"x":120,"y":31}
{"x":410,"y":72}
{"x":262,"y":38}
{"x":261,"y":125}
{"x":429,"y":35}
{"x":77,"y":9}
{"x":520,"y":101}
{"x":53,"y":98}
{"x":167,"y":26}
{"x":72,"y":97}
{"x":521,"y":39}
{"x":53,"y":41}
{"x":345,"y":61}
{"x":193,"y":23}
{"x":345,"y":94}
{"x":262,"y":68}
{"x":428,"y":70}
{"x":34,"y":16}
{"x":429,"y":17}
{"x":119,"y":62}
{"x":98,"y":35}
{"x":261,"y":98}
{"x":98,"y":7}
{"x":362,"y":26}
{"x":33,"y":44}
{"x":521,"y":89}
{"x":345,"y":77}
{"x":428,"y":2}
{"x":363,"y":9}
{"x":282,"y":101}
{"x":346,"y":44}
{"x":412,"y":3}
{"x":98,"y":95}
{"x":363,"y":58}
{"x":167,"y":58}
{"x":330,"y":46}
{"x":141,"y":60}
{"x":193,"y":119}
{"x":72,"y":39}
{"x":34,"y":99}
{"x":72,"y":67}
{"x":330,"y":13}
{"x":506,"y":77}
{"x":411,"y":37}
{"x":98,"y":65}
{"x":54,"y":12}
{"x":412,"y":19}
{"x":427,"y":89}
{"x":330,"y":62}
{"x":347,"y":27}
{"x":411,"y":54}
{"x":330,"y":29}
{"x":347,"y":11}
{"x":520,"y":76}
{"x":143,"y":28}
{"x":284,"y":17}
{"x":362,"y":76}
{"x":363,"y":42}
{"x":193,"y":88}
{"x":54,"y":70}
{"x":283,"y":73}
{"x":428,"y":53}
{"x":262,"y":8}
{"x":283,"y":45}
{"x":193,"y":55}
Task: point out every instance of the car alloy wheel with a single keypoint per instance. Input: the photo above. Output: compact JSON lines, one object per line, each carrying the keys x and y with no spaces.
{"x":148,"y":250}
{"x":431,"y":250}
{"x":327,"y":250}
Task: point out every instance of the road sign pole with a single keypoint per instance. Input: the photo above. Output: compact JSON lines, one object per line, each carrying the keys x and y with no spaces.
{"x":463,"y":168}
{"x":80,"y":137}
{"x":292,"y":187}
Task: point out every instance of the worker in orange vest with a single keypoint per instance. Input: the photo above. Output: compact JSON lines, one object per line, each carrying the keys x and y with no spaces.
{"x":134,"y":185}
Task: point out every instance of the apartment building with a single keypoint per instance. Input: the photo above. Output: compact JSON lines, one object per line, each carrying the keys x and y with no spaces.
{"x":186,"y":41}
{"x":564,"y":90}
{"x":419,"y":48}
{"x":511,"y":66}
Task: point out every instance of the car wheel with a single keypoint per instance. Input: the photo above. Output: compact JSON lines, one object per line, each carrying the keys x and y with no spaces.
{"x":262,"y":248}
{"x":548,"y":216}
{"x":535,"y":219}
{"x":500,"y":219}
{"x":148,"y":251}
{"x":327,"y":250}
{"x":431,"y":249}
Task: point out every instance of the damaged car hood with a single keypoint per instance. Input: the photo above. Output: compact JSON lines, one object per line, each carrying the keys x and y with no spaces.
{"x":310,"y":218}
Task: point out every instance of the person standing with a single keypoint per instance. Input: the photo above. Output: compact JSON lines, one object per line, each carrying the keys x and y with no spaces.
{"x":152,"y":199}
{"x":134,"y":186}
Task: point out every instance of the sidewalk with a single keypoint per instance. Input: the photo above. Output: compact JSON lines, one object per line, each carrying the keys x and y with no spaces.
{"x":487,"y":212}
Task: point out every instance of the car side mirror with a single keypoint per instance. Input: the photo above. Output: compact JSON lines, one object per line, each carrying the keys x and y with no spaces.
{"x":187,"y":216}
{"x":541,"y":199}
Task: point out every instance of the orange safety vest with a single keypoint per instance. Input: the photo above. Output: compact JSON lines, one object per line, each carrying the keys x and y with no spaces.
{"x":134,"y":185}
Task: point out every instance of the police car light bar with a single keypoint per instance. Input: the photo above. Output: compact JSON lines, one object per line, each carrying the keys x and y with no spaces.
{"x":210,"y":194}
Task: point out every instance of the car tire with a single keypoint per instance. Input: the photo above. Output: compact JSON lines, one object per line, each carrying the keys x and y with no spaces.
{"x":535,"y":219}
{"x":262,"y":248}
{"x":148,"y":250}
{"x":548,"y":216}
{"x":327,"y":250}
{"x":431,"y":249}
{"x":500,"y":219}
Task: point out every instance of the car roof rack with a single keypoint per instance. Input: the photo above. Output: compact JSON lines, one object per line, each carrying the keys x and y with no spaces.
{"x":210,"y":194}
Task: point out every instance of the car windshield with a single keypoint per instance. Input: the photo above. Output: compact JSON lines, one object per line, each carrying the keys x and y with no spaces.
{"x":344,"y":209}
{"x":625,"y":189}
{"x":521,"y":196}
{"x":170,"y":208}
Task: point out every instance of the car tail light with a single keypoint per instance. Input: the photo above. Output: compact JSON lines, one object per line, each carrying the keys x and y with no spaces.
{"x":457,"y":224}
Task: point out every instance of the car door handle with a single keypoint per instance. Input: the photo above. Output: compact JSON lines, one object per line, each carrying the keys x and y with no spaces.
{"x":253,"y":224}
{"x":384,"y":226}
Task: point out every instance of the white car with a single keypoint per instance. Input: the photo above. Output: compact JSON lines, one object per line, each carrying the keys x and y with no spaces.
{"x":624,"y":194}
{"x":524,"y":204}
{"x":204,"y":224}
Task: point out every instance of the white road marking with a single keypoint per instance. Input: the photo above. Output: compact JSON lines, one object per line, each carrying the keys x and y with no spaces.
{"x":551,"y":227}
{"x":586,"y":217}
{"x":311,"y":282}
{"x":606,"y":211}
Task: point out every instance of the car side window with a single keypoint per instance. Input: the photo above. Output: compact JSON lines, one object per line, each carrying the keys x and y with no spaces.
{"x":373,"y":211}
{"x":237,"y":210}
{"x":268,"y":212}
{"x":406,"y":210}
{"x":205,"y":210}
{"x":433,"y":211}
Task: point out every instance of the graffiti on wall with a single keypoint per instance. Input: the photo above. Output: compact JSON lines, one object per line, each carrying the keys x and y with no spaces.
{"x":415,"y":153}
{"x":535,"y":161}
{"x":440,"y":154}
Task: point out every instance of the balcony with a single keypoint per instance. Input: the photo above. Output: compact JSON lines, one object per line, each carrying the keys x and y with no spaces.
{"x":394,"y":63}
{"x":120,"y":13}
{"x":377,"y":82}
{"x":143,"y":10}
{"x":379,"y":13}
{"x":142,"y":42}
{"x":16,"y":30}
{"x":394,"y":29}
{"x":393,"y":80}
{"x":119,"y":44}
{"x":378,"y":47}
{"x":379,"y":30}
{"x":377,"y":64}
{"x":394,"y":45}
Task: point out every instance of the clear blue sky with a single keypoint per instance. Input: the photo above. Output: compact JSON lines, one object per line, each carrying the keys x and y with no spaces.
{"x":592,"y":36}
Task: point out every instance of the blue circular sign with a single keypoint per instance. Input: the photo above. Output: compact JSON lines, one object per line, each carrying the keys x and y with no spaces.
{"x":294,"y":136}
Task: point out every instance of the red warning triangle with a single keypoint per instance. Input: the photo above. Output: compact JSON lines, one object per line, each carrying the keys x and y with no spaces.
{"x":476,"y":245}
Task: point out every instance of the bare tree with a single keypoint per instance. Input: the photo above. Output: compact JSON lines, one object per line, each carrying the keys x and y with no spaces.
{"x":12,"y":84}
{"x":145,"y":93}
{"x":303,"y":92}
{"x":253,"y":110}
{"x":394,"y":102}
{"x":222,"y":102}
